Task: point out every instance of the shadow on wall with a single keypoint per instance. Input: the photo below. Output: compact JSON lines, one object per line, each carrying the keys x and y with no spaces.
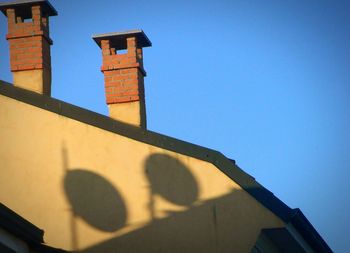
{"x":214,"y":225}
{"x":90,"y":195}
{"x":170,"y":179}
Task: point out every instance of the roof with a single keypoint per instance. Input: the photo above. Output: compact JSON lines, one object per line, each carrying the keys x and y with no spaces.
{"x":18,"y":226}
{"x":24,"y":230}
{"x":118,"y":39}
{"x":283,"y":240}
{"x":227,"y":166}
{"x":24,"y":7}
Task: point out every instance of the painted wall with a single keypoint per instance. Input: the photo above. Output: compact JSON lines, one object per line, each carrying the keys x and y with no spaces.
{"x":95,"y":191}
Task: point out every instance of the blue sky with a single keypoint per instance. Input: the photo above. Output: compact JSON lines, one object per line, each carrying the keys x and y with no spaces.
{"x":264,"y":82}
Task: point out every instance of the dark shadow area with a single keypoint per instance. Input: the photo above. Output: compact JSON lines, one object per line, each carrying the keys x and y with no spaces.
{"x":227,"y":223}
{"x":222,"y":224}
{"x":217,"y":225}
{"x":95,"y":200}
{"x":171,"y":179}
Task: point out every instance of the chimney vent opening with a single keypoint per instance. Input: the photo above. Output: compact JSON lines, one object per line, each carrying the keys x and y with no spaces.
{"x":27,"y":20}
{"x":122,"y":51}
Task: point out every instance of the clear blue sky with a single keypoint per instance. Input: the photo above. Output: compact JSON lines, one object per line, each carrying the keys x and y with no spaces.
{"x":264,"y":82}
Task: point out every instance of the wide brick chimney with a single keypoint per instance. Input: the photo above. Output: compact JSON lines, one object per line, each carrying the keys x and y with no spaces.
{"x":29,"y":43}
{"x":124,"y":74}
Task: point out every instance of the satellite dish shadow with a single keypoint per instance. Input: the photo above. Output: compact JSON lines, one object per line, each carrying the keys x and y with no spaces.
{"x":95,"y":200}
{"x":171,"y":179}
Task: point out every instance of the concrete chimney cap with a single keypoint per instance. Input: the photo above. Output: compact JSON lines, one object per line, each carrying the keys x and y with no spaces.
{"x":118,"y":39}
{"x":23,"y":7}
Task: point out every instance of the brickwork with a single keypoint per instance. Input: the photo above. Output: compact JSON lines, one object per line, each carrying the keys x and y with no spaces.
{"x":29,"y":42}
{"x":123,"y":73}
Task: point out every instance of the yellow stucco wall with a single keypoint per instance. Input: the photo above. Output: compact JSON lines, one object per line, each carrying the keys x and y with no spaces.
{"x":95,"y":191}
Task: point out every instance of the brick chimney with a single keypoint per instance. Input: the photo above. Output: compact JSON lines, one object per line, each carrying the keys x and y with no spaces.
{"x":29,"y":43}
{"x":123,"y":75}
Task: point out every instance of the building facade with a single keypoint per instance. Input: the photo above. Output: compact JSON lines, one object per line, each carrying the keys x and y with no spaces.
{"x":107,"y":184}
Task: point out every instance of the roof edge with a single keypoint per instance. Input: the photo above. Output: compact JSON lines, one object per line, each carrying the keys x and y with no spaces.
{"x":25,"y":230}
{"x":15,"y":224}
{"x":308,"y":232}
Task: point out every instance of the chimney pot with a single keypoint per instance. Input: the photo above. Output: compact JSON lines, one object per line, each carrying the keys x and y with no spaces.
{"x":29,"y":43}
{"x":124,"y":74}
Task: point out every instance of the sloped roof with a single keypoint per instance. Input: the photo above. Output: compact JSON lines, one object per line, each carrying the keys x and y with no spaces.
{"x":24,"y":230}
{"x":227,"y":166}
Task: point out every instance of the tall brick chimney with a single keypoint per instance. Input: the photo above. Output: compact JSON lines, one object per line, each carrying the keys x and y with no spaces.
{"x":29,"y":42}
{"x":124,"y":74}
